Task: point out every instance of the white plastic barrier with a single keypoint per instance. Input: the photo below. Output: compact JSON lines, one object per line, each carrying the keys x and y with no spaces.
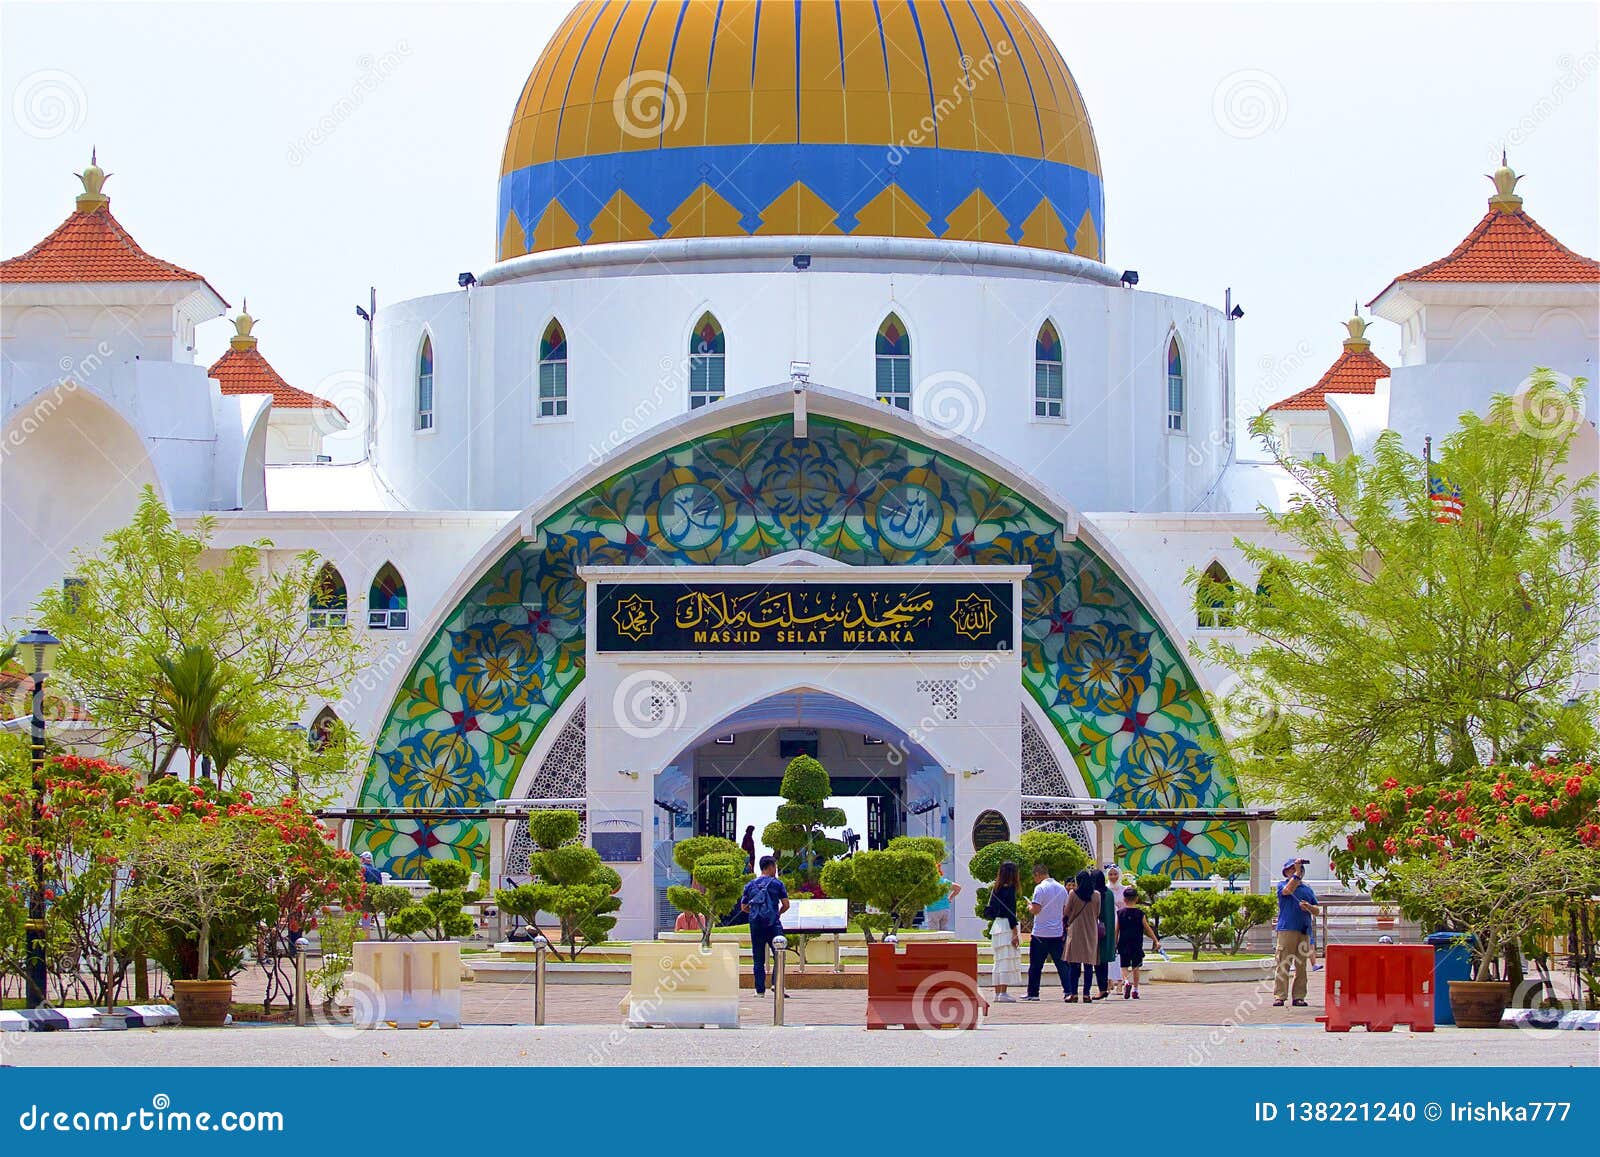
{"x":683,"y":986}
{"x":407,"y":983}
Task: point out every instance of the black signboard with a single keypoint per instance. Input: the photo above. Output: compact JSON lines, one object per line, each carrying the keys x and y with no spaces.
{"x":800,"y":616}
{"x":989,"y":828}
{"x":619,"y":847}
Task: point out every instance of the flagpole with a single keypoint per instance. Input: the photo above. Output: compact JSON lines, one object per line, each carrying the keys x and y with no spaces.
{"x":1427,"y":572}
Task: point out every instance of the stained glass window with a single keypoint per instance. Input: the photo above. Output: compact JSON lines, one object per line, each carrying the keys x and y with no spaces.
{"x":386,"y":601}
{"x":1214,"y":608}
{"x":330,"y":601}
{"x":1175,"y":391}
{"x":425,"y":385}
{"x":553,"y":372}
{"x":707,"y":353}
{"x":893,"y":349}
{"x":1047,"y":392}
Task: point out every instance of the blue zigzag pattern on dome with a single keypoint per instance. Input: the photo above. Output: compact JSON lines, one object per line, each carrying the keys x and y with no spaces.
{"x":846,"y":177}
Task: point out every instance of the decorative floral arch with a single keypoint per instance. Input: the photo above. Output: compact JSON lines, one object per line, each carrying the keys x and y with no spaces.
{"x":1096,"y":661}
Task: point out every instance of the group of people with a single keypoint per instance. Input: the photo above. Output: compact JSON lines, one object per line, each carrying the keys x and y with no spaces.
{"x":1094,"y":932}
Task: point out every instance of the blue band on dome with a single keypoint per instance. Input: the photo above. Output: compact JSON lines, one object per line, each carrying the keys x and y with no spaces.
{"x":846,"y":177}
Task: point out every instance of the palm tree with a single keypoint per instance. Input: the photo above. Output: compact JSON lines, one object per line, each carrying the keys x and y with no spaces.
{"x":228,"y":737}
{"x":191,"y":691}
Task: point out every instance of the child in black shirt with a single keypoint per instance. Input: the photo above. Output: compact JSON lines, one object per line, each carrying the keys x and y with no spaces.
{"x":1132,"y":928}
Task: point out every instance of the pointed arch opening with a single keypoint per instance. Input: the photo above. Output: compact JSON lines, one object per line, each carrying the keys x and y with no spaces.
{"x":1215,"y":597}
{"x":892,"y":364}
{"x":330,"y":599}
{"x":1048,"y":398}
{"x":322,"y":728}
{"x":708,"y":350}
{"x":424,"y":420}
{"x":1271,"y":582}
{"x":1177,"y":393}
{"x":386,"y":601}
{"x":553,"y":372}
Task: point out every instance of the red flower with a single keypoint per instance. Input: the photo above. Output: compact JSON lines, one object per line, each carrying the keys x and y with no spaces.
{"x":1391,"y":783}
{"x":1540,"y":811}
{"x":1391,"y":846}
{"x":1574,"y":785}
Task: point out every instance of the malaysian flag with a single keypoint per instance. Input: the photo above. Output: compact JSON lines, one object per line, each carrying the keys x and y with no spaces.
{"x":1443,"y":495}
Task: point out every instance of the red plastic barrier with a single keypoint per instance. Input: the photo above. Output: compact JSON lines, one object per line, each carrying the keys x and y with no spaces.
{"x":1379,"y":986}
{"x":923,"y":986}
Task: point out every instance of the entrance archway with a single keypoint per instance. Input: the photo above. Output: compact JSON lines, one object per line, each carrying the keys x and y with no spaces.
{"x":499,"y":663}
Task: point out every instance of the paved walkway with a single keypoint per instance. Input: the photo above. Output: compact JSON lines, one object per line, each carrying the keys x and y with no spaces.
{"x":1174,"y":1024}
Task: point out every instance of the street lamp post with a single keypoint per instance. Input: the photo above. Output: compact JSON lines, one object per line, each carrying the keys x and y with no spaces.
{"x":40,"y":646}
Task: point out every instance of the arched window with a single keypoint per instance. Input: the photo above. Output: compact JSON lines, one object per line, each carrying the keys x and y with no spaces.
{"x":707,"y":352}
{"x":1214,"y":599}
{"x":1270,"y":583}
{"x":386,"y":601}
{"x":425,"y":384}
{"x":330,"y":602}
{"x":553,"y":372}
{"x":893,"y":349}
{"x":322,"y":728}
{"x":1175,"y":390}
{"x":1047,"y":396}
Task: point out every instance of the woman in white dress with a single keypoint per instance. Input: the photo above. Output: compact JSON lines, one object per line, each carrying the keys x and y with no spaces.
{"x":1004,"y":935}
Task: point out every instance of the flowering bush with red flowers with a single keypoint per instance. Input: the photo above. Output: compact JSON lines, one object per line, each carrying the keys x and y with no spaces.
{"x":1440,"y":820}
{"x":94,"y":834}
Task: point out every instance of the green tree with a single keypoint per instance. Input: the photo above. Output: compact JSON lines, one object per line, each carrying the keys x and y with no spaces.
{"x":570,"y":882}
{"x":153,"y":594}
{"x":797,"y":833}
{"x":190,"y":694}
{"x":985,"y":866}
{"x":717,"y":877}
{"x":1383,"y":643}
{"x":1063,"y":855}
{"x":1231,"y":868}
{"x":1211,"y":920}
{"x":894,"y":883}
{"x":438,"y":915}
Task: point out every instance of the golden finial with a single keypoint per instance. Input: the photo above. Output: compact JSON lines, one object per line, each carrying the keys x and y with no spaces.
{"x":1356,"y":343}
{"x":93,"y":178}
{"x":242,"y":325}
{"x":1505,"y":181}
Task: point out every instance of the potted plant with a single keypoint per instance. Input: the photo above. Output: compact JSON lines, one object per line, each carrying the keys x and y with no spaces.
{"x":1495,"y":888}
{"x":197,"y":896}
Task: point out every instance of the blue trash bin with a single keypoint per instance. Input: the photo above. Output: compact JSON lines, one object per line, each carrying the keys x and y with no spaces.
{"x":1452,"y":960}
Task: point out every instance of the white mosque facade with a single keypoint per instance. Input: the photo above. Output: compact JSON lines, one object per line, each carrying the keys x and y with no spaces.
{"x":851,"y":343}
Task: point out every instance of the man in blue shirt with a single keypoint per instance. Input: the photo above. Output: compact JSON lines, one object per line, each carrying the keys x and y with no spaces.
{"x":1297,"y":904}
{"x":765,"y":899}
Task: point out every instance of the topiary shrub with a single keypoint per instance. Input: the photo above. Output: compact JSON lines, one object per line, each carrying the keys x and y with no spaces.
{"x":1063,"y":855}
{"x":985,"y":866}
{"x":1230,"y":868}
{"x":896,"y":882}
{"x":383,"y":901}
{"x":928,"y":845}
{"x":570,"y":882}
{"x":438,"y":914}
{"x":1218,"y":921}
{"x":717,"y":867}
{"x":1151,"y":886}
{"x":796,"y":835}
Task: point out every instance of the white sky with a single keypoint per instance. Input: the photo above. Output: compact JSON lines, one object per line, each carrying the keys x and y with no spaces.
{"x":1380,"y":121}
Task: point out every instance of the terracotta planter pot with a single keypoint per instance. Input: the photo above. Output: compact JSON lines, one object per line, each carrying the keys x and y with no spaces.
{"x":202,"y":1003}
{"x":1479,"y":1003}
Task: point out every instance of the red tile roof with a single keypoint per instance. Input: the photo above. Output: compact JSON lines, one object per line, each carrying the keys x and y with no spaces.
{"x":1507,"y":247}
{"x":1356,"y":372}
{"x":245,"y":371}
{"x":16,"y":697}
{"x":92,"y":245}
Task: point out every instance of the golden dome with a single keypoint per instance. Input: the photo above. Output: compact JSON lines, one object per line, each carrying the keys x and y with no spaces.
{"x":900,"y":118}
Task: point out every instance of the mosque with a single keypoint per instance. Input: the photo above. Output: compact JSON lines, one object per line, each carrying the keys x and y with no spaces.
{"x":801,"y":410}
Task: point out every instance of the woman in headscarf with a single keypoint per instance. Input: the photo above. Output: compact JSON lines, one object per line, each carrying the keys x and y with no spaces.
{"x":1003,"y":934}
{"x":1106,"y":948}
{"x":1082,"y":919}
{"x":1114,"y":885}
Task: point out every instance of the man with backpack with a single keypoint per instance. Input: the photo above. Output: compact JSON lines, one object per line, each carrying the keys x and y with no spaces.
{"x":765,"y":899}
